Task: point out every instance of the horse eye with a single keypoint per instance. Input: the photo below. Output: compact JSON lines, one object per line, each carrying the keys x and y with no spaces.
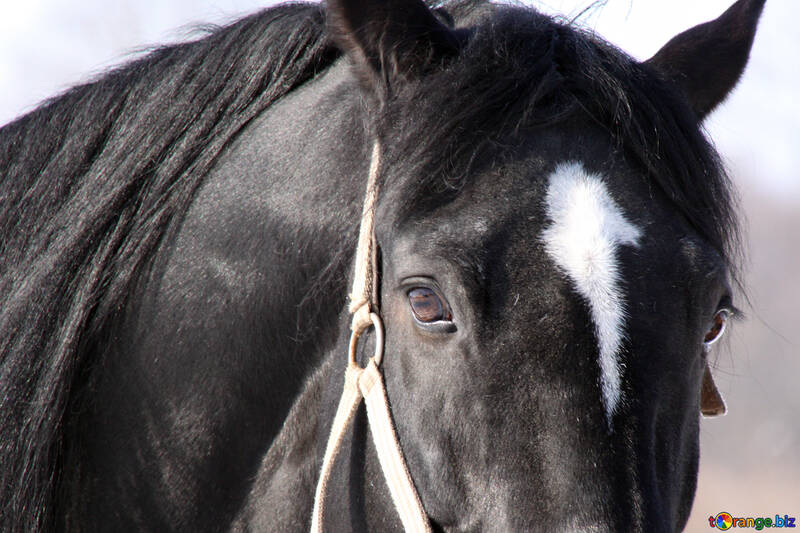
{"x":717,"y":327}
{"x":427,"y":306}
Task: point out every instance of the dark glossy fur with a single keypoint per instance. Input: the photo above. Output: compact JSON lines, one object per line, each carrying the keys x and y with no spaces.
{"x":175,"y":255}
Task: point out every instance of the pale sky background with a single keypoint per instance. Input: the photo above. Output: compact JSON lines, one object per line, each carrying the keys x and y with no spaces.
{"x":751,"y":458}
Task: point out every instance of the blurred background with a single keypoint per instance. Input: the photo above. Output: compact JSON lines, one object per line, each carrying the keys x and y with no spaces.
{"x":750,"y":462}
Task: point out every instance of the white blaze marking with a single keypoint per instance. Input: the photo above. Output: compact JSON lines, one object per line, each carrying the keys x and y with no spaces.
{"x":587,"y":226}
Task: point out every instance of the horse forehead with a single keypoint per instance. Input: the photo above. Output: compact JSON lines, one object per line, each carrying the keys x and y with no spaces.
{"x":586,"y":229}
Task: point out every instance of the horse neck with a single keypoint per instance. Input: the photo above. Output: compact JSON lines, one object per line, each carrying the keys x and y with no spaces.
{"x":301,"y":208}
{"x":291,"y":465}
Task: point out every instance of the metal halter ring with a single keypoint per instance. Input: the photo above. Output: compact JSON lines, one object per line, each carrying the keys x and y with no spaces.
{"x":378,"y":325}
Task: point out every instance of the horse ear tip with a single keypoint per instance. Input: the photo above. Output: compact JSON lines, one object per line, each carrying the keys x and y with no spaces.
{"x":686,"y":58}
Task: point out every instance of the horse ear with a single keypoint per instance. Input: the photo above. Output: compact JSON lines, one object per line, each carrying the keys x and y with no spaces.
{"x":389,"y":39}
{"x":708,"y":60}
{"x":711,"y":402}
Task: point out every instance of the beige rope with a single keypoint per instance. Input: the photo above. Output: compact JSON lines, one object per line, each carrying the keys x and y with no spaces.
{"x":398,"y":478}
{"x":362,"y":296}
{"x":367,"y":383}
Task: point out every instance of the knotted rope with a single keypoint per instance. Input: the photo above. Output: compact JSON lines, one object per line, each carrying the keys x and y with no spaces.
{"x":367,"y":383}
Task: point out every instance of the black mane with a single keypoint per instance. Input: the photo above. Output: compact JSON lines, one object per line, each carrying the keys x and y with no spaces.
{"x":90,"y":182}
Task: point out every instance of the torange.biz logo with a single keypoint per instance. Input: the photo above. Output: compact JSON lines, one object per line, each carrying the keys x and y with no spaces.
{"x":726,"y":521}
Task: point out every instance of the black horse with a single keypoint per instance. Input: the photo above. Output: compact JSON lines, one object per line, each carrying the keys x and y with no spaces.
{"x":556,"y":241}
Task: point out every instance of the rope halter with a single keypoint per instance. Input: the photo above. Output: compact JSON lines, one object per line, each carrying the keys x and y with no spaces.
{"x":367,"y":383}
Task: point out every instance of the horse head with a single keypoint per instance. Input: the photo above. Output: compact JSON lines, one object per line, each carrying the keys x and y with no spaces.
{"x":556,"y":252}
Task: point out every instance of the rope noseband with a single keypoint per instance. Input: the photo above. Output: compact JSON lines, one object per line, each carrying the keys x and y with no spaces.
{"x":367,"y":383}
